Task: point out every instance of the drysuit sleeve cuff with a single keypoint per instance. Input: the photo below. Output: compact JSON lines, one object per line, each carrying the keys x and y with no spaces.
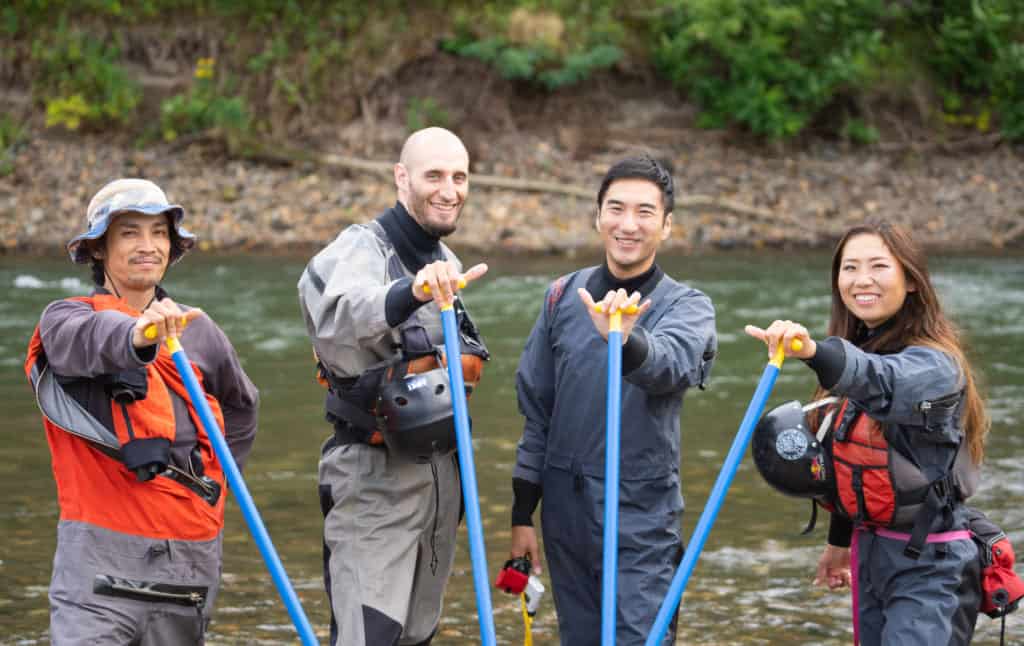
{"x":147,"y":354}
{"x":399,"y":304}
{"x":840,"y":531}
{"x":828,"y":362}
{"x":525,"y":498}
{"x":144,"y":355}
{"x":634,"y":351}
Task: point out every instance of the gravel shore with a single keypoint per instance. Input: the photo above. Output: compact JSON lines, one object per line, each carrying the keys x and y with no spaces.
{"x":747,"y":198}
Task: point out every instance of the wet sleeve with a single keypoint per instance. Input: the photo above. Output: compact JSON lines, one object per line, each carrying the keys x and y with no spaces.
{"x":526,"y":496}
{"x":828,"y":362}
{"x":680,"y":347}
{"x":890,"y":387}
{"x":535,"y":390}
{"x":634,"y":351}
{"x":226,"y":380}
{"x":399,"y":304}
{"x":840,"y":531}
{"x":343,"y":295}
{"x":81,"y":342}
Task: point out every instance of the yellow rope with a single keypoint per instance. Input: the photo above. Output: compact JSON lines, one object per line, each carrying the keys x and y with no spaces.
{"x":527,"y":622}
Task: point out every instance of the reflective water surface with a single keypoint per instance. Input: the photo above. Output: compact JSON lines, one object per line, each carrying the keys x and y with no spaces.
{"x":752,"y":584}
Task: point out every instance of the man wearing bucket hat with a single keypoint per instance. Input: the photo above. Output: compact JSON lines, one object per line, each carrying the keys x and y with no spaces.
{"x":389,"y":479}
{"x":141,"y":494}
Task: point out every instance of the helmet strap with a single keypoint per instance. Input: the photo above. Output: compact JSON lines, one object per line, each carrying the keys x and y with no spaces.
{"x":814,"y":519}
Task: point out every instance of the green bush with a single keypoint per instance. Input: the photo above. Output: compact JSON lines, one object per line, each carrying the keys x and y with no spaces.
{"x":12,"y":135}
{"x":1008,"y":90}
{"x":203,"y":108}
{"x":424,"y":112}
{"x":859,"y":132}
{"x":772,"y":67}
{"x":977,"y":55}
{"x":79,"y":80}
{"x":768,"y":65}
{"x":555,"y":47}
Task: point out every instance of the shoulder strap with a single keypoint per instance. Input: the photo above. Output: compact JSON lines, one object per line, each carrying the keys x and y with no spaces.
{"x":555,"y":293}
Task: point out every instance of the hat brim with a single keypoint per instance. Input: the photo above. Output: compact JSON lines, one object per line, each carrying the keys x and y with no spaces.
{"x":99,"y":228}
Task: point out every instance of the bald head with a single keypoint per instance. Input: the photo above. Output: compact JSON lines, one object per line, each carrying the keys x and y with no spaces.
{"x":428,"y":143}
{"x":432,"y":178}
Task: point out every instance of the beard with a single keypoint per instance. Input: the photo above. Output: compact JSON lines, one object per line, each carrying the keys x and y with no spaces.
{"x":420,"y":210}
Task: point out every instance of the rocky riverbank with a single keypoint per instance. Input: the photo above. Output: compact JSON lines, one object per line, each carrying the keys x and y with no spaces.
{"x":732,"y":195}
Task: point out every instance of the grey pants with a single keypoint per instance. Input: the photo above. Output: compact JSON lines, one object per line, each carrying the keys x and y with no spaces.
{"x":650,"y":547}
{"x":930,"y":601}
{"x":86,"y":554}
{"x":389,"y":543}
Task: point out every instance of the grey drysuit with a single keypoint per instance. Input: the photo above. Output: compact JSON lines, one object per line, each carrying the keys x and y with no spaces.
{"x":900,"y":601}
{"x":561,"y":384}
{"x":83,"y":343}
{"x":389,"y":523}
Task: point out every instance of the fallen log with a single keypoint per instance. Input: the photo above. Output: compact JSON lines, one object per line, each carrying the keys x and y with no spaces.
{"x":288,"y":155}
{"x":684,"y":202}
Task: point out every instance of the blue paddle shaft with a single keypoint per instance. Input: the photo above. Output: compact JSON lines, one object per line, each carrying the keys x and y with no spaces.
{"x":245,"y":502}
{"x":469,"y":493}
{"x":613,"y":418}
{"x":715,"y":500}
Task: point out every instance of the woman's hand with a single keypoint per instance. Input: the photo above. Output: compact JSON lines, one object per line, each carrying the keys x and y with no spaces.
{"x":785,"y":332}
{"x":833,"y":568}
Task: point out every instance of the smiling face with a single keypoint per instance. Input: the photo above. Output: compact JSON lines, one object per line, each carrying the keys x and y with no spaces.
{"x":632,"y":223}
{"x":135,"y":252}
{"x":433,"y":180}
{"x":871,"y":282}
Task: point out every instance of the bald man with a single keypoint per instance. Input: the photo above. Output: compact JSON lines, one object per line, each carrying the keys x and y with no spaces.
{"x":389,"y":480}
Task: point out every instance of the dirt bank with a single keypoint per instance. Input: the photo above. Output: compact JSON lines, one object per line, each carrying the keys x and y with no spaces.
{"x":733,"y":193}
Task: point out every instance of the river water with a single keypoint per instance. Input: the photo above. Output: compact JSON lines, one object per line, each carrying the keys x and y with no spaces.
{"x":752,"y":584}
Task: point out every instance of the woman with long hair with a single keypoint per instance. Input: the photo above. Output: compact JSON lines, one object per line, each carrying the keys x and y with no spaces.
{"x":905,"y":435}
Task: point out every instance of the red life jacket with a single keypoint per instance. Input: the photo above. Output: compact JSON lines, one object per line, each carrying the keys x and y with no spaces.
{"x":93,"y":485}
{"x":877,"y":485}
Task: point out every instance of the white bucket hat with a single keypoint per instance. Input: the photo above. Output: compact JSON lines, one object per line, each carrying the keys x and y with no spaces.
{"x":129,"y":196}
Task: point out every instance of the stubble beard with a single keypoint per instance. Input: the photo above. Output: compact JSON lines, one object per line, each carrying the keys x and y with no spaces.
{"x":421,"y":206}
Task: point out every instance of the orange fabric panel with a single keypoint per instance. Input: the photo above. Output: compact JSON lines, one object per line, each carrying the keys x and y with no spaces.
{"x":95,"y":488}
{"x":879,"y":496}
{"x":865,"y":449}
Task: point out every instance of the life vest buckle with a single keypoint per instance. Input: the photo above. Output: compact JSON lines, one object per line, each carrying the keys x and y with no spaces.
{"x":912,"y":551}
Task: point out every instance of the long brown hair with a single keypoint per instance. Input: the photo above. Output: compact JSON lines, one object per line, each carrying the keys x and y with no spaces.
{"x":920,"y":321}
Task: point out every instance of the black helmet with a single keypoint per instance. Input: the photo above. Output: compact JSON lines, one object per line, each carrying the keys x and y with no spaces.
{"x":417,"y":413}
{"x":789,"y":455}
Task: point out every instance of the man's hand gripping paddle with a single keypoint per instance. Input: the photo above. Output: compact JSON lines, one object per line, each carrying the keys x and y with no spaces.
{"x":237,"y":485}
{"x":613,"y":414}
{"x":478,"y":555}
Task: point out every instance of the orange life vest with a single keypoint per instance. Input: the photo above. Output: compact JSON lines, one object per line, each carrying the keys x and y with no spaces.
{"x":864,"y":488}
{"x":876,"y":484}
{"x":96,"y":488}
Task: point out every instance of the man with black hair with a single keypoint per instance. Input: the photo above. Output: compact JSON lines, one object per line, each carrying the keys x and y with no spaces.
{"x":669,"y":344}
{"x":141,"y":493}
{"x":389,"y":479}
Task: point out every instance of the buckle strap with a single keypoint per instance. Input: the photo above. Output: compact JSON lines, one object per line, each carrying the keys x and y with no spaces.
{"x":345,"y":434}
{"x":344,"y":411}
{"x":202,"y":485}
{"x":933,"y":504}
